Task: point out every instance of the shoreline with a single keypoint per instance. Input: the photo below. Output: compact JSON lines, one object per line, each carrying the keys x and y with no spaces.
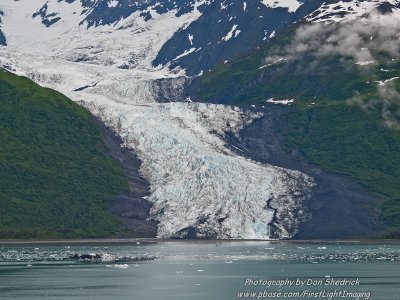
{"x":205,"y":241}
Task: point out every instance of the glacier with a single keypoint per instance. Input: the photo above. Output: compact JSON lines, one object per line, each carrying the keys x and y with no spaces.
{"x":196,"y":181}
{"x":198,"y":186}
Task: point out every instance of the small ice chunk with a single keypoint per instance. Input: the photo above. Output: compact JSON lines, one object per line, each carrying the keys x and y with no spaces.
{"x":282,"y":102}
{"x":121,"y":266}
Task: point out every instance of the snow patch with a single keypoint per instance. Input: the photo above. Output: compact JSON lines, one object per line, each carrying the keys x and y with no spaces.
{"x":275,"y":62}
{"x":282,"y":102}
{"x":113,"y":3}
{"x":365,"y":63}
{"x":190,"y":37}
{"x":383,"y":82}
{"x":345,"y":10}
{"x":272,"y":34}
{"x":232,"y":33}
{"x":187,"y":52}
{"x":291,"y":5}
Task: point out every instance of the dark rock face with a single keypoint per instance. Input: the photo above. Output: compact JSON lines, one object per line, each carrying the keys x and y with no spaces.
{"x":68,"y":1}
{"x":130,"y":207}
{"x":387,"y":8}
{"x":169,"y":89}
{"x":250,"y":25}
{"x":3,"y":41}
{"x":48,"y":19}
{"x":340,"y":208}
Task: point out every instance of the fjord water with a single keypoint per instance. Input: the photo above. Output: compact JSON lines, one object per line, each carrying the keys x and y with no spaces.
{"x":202,"y":270}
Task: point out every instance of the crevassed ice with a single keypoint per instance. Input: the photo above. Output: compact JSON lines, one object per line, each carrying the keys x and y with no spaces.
{"x":197,"y":182}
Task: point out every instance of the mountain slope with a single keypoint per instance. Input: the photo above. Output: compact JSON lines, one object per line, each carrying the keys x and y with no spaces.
{"x":345,"y":140}
{"x":226,"y":29}
{"x":342,"y":98}
{"x":55,"y":178}
{"x":360,"y":56}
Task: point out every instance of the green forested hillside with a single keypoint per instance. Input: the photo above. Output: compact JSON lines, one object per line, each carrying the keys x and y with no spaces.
{"x":346,"y":140}
{"x":55,"y":179}
{"x":272,"y":71}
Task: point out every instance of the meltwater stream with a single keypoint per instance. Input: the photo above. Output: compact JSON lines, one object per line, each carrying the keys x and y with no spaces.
{"x":202,"y":270}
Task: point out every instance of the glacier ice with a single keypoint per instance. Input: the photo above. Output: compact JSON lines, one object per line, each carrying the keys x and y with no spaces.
{"x":196,"y":181}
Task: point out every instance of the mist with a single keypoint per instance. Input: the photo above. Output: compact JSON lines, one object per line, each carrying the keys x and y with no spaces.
{"x":365,"y":44}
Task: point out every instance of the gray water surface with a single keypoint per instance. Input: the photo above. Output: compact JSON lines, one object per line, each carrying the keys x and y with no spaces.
{"x":202,"y":270}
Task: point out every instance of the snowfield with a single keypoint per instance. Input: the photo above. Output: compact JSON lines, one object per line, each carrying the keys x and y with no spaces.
{"x":196,"y":182}
{"x":348,"y":11}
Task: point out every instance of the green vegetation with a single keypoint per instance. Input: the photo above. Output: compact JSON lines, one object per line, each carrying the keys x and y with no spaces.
{"x":344,"y":139}
{"x":250,"y":79}
{"x":325,"y":123}
{"x":55,"y":178}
